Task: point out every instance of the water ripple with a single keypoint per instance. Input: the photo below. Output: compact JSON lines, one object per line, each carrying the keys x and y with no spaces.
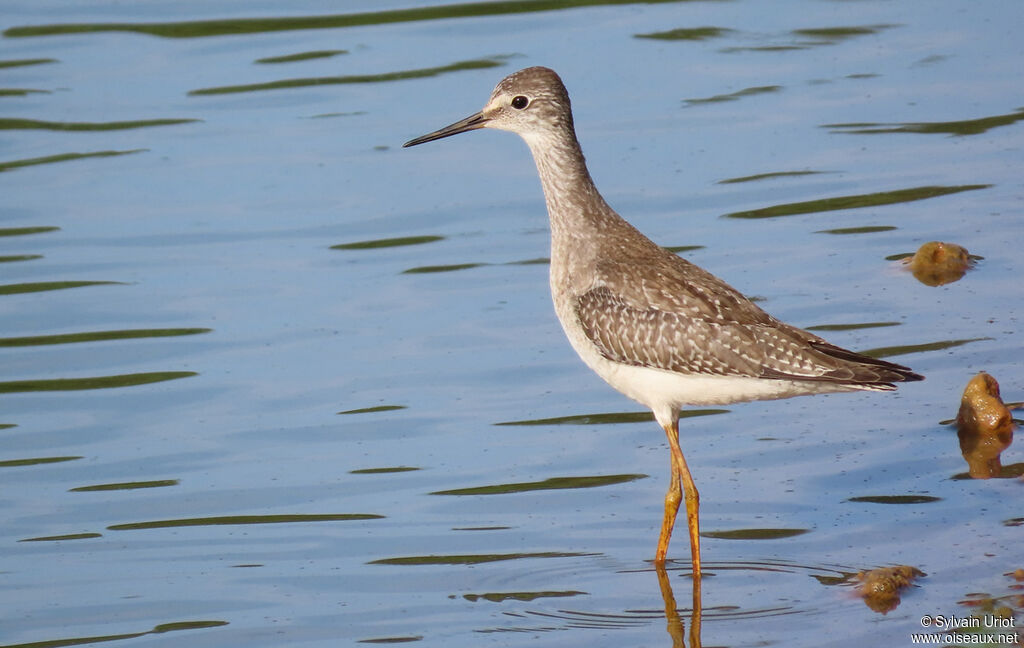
{"x":854,"y":202}
{"x":92,"y":382}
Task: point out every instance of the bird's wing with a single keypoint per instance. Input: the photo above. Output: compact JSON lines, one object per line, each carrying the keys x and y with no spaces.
{"x":694,"y":323}
{"x":682,"y":342}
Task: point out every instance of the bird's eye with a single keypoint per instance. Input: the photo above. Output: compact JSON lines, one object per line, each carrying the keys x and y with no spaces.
{"x":519,"y":102}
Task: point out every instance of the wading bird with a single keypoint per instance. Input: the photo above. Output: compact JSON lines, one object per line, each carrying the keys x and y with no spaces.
{"x":654,"y":326}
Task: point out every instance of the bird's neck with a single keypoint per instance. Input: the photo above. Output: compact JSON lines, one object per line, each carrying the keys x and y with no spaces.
{"x":574,"y":203}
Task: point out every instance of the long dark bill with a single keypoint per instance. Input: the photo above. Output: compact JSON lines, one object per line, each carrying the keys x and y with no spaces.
{"x":472,"y":122}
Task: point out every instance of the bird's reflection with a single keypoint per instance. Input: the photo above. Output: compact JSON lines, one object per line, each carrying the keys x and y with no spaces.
{"x":674,"y":622}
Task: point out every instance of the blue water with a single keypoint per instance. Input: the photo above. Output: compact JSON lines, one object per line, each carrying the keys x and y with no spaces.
{"x":229,"y":397}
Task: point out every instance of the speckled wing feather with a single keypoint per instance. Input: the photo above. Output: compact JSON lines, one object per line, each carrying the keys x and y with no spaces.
{"x":694,"y":323}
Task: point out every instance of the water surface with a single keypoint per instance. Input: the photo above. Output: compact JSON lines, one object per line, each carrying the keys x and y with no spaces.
{"x":268,"y":379}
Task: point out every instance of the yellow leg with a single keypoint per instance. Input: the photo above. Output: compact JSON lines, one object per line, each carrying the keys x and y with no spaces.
{"x":673,"y":498}
{"x":680,"y":478}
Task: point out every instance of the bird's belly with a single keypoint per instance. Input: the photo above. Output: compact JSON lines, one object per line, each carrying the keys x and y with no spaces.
{"x":659,"y":388}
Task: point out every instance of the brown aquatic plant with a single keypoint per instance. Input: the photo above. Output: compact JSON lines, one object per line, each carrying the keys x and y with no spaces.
{"x":880,"y":588}
{"x":984,"y":426}
{"x":936,"y":263}
{"x":1001,"y":609}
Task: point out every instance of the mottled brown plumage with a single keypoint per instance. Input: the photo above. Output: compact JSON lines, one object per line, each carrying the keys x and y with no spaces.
{"x":690,"y":322}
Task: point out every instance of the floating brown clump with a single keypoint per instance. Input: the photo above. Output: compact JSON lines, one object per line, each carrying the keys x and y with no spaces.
{"x":984,"y":426}
{"x":936,"y":263}
{"x":880,"y":588}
